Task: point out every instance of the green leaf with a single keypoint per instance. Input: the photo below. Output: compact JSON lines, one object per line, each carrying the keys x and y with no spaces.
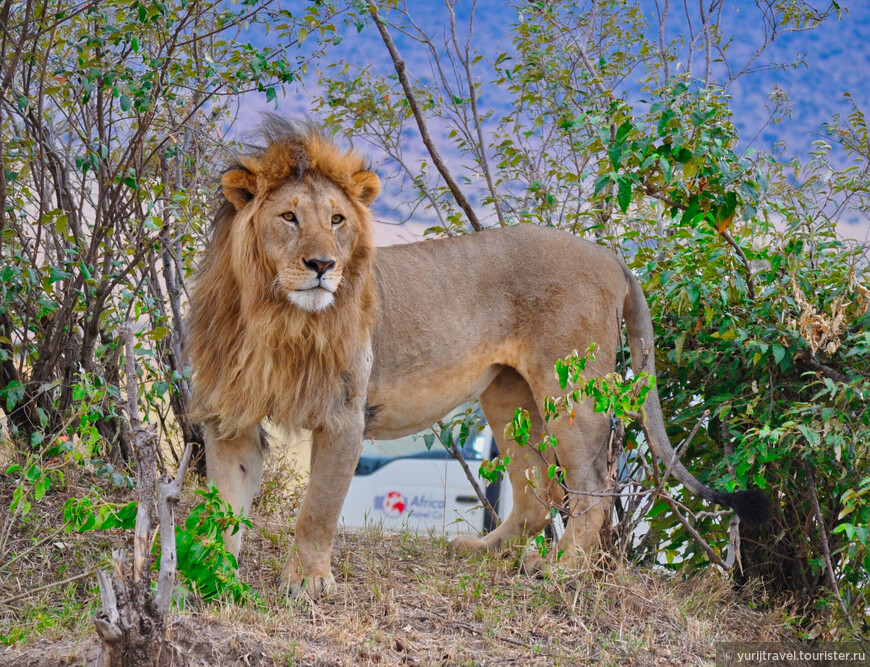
{"x":14,"y":393}
{"x":623,"y":197}
{"x":678,"y":347}
{"x":125,"y":103}
{"x":602,"y":182}
{"x":157,"y":333}
{"x":56,"y":275}
{"x":614,"y":152}
{"x":562,"y":371}
{"x":623,"y":131}
{"x":683,"y":155}
{"x":446,"y":438}
{"x":666,"y":118}
{"x":778,"y":352}
{"x":692,"y":210}
{"x":429,"y":440}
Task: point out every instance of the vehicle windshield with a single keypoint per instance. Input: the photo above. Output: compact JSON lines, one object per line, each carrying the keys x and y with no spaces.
{"x":464,"y":417}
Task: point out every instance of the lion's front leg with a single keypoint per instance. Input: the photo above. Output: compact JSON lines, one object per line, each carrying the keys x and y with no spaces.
{"x":335,"y":450}
{"x":334,"y":457}
{"x":235,"y":465}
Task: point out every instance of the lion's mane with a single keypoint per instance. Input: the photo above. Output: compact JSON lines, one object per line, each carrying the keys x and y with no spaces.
{"x":254,"y":353}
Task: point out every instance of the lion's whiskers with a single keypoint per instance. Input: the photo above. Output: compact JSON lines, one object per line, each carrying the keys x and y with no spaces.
{"x":274,"y":288}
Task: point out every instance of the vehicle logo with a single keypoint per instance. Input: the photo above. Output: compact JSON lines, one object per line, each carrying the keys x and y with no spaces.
{"x":393,"y":504}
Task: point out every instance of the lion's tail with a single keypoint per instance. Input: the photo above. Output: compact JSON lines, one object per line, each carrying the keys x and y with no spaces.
{"x":752,"y":506}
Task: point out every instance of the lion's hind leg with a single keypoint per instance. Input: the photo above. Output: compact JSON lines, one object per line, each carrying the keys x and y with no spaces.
{"x":582,"y":450}
{"x":235,"y":465}
{"x":531,"y":493}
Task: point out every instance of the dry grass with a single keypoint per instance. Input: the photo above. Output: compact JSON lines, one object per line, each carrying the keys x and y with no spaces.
{"x":407,"y":600}
{"x":401,"y":600}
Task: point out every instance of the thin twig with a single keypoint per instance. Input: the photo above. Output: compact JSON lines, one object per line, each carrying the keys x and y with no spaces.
{"x":750,"y":283}
{"x":663,"y":53}
{"x":50,"y":536}
{"x":81,"y":575}
{"x":684,"y":445}
{"x":662,"y":493}
{"x":701,"y":542}
{"x":465,"y":60}
{"x":456,"y":453}
{"x":826,"y":550}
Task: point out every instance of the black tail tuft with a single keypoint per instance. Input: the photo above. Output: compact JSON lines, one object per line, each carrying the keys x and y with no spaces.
{"x":752,"y":506}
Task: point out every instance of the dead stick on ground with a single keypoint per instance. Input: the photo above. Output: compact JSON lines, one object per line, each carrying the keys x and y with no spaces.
{"x":399,"y":66}
{"x":21,"y":555}
{"x":15,"y":598}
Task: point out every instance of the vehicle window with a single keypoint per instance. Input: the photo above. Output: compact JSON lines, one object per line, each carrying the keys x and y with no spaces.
{"x":475,"y":446}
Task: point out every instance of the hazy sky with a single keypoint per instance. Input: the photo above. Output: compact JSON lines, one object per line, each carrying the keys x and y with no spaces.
{"x":837,"y":59}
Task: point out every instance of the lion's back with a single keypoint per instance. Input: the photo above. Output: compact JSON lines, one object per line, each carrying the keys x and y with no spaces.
{"x":518,"y":280}
{"x":521,"y":258}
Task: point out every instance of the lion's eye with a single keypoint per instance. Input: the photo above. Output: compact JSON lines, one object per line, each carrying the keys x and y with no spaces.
{"x":337,"y":219}
{"x":290,"y":216}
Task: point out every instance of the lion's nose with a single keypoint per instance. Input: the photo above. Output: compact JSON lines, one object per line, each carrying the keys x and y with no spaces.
{"x":319,"y":266}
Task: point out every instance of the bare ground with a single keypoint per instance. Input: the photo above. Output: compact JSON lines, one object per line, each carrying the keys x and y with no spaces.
{"x":401,"y":600}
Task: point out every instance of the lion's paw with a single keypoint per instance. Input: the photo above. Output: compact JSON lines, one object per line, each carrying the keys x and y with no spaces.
{"x":534,"y":564}
{"x":467,"y":544}
{"x":316,"y":586}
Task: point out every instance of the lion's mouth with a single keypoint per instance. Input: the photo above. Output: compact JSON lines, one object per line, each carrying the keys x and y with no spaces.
{"x":312,"y":299}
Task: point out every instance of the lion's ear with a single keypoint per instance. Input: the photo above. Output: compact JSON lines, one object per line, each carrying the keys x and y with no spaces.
{"x":368,"y":186}
{"x":239,"y":187}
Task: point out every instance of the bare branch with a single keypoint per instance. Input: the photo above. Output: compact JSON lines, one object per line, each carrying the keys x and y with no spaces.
{"x":826,"y":549}
{"x":663,"y":18}
{"x":750,"y":281}
{"x":400,"y":68}
{"x":456,"y":453}
{"x":465,"y":59}
{"x":809,"y":362}
{"x":168,"y":496}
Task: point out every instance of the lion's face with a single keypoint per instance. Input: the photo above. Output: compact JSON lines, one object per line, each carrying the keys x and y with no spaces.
{"x":308,"y":231}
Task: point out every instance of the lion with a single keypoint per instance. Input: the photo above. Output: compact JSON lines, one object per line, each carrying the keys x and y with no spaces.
{"x":296,"y":317}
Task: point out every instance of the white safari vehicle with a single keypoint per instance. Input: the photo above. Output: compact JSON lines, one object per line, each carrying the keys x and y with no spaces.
{"x":403,"y":485}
